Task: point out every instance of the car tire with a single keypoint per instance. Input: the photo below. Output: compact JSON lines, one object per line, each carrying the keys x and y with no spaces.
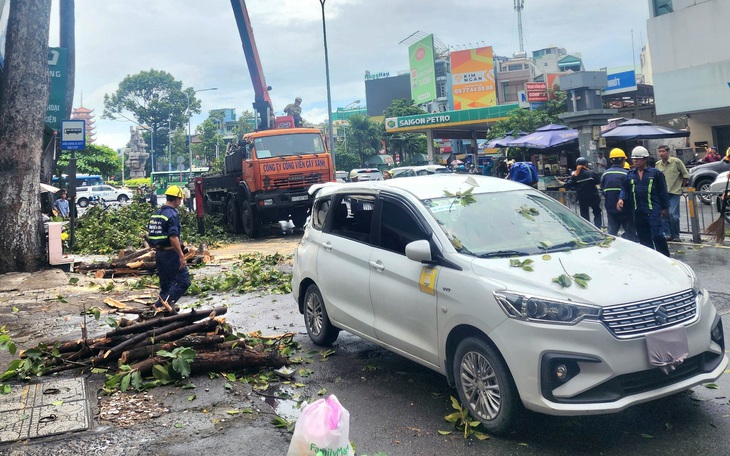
{"x":82,"y":202}
{"x":123,"y":199}
{"x":251,"y":223}
{"x":485,"y":386}
{"x":316,"y":320}
{"x":233,"y":216}
{"x":703,"y":185}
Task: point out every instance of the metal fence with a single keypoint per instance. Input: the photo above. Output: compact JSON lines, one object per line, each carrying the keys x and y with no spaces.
{"x":695,"y":215}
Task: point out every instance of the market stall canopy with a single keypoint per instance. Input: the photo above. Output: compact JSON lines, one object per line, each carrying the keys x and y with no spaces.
{"x":546,"y":137}
{"x":504,"y":141}
{"x":48,"y":188}
{"x":642,"y":129}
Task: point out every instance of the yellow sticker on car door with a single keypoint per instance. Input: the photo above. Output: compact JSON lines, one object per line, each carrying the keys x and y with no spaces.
{"x":427,"y":281}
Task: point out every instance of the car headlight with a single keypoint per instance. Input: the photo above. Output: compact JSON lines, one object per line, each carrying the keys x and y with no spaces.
{"x":534,"y":308}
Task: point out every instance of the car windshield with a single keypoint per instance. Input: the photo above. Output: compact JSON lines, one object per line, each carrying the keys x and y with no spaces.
{"x":293,"y":144}
{"x":505,"y":224}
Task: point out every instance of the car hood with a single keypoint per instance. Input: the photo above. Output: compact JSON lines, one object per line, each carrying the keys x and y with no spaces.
{"x":623,"y":272}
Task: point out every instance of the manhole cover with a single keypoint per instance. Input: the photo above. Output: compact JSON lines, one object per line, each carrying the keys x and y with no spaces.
{"x":42,"y":409}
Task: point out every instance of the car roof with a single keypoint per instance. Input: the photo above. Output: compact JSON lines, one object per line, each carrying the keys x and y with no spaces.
{"x":431,"y":186}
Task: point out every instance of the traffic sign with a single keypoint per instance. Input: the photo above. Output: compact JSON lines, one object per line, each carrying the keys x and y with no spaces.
{"x":73,"y":134}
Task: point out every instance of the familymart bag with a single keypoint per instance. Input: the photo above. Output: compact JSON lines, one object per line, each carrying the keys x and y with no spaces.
{"x":322,"y":429}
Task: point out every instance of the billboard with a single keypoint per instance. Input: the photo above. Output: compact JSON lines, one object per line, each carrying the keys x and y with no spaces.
{"x":423,"y":74}
{"x":381,"y":92}
{"x":472,"y":73}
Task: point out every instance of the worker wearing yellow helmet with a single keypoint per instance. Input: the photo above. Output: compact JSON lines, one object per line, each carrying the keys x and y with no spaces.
{"x":163,"y":234}
{"x":611,"y":182}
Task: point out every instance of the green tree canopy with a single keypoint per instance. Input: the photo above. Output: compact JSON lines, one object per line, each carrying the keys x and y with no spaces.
{"x":95,"y":159}
{"x":365,"y":134}
{"x":528,"y":120}
{"x":402,"y":107}
{"x":150,"y":98}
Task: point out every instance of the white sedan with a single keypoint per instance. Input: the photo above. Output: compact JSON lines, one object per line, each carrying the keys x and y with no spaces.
{"x":514,"y":298}
{"x":103,"y":192}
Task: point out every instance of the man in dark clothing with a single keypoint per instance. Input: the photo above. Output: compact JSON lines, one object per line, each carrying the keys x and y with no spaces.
{"x":584,"y":181}
{"x":647,"y":190}
{"x":611,"y":183}
{"x":163,"y":233}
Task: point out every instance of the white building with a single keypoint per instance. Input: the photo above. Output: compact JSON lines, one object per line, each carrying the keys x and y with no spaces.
{"x":690,"y":62}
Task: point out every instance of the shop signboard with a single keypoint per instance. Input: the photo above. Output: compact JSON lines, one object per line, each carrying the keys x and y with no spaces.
{"x":536,"y":91}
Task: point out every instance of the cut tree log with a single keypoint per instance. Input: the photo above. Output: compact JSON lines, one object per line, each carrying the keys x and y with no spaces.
{"x":187,"y":341}
{"x":193,"y":315}
{"x":233,"y":359}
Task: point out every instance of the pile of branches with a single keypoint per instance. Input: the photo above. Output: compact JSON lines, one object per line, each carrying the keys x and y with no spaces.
{"x":152,"y":341}
{"x":138,"y":262}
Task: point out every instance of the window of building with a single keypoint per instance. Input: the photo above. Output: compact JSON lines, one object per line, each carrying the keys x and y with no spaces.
{"x":662,"y":7}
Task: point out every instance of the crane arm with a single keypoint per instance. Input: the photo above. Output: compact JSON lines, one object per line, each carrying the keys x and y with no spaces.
{"x":262,"y":101}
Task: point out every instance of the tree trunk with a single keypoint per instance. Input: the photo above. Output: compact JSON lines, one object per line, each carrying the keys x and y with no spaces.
{"x":23,"y":101}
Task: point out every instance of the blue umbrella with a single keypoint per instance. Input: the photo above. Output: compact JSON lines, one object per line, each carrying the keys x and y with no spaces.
{"x":546,"y":137}
{"x":641,"y":129}
{"x":504,"y":142}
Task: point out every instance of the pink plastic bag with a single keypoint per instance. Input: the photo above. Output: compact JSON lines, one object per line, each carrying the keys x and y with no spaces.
{"x":323,"y":428}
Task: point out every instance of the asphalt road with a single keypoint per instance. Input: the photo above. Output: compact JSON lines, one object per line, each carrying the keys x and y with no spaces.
{"x":396,"y":406}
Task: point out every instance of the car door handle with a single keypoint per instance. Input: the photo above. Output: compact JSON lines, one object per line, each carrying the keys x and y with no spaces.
{"x":377,"y":265}
{"x":327,"y":246}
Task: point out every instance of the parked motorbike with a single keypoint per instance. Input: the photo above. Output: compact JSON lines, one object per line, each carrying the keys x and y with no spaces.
{"x":692,"y":162}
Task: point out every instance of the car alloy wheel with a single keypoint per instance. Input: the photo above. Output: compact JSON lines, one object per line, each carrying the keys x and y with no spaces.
{"x":485,"y":386}
{"x":317,"y":322}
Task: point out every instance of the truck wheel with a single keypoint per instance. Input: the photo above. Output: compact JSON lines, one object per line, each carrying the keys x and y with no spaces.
{"x":233,"y":216}
{"x":251,"y":223}
{"x":299,"y":219}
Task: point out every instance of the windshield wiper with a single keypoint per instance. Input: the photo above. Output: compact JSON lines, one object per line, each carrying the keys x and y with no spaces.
{"x":502,"y":253}
{"x":563,"y":246}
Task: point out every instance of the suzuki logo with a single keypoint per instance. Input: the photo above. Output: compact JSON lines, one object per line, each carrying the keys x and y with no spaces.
{"x":660,"y":315}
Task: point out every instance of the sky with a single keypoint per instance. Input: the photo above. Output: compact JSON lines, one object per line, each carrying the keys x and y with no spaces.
{"x":198,"y":43}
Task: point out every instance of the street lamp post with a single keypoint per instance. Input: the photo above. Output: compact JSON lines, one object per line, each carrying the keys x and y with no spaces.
{"x":190,"y":138}
{"x":169,"y":145}
{"x":217,"y":134}
{"x":329,"y":95}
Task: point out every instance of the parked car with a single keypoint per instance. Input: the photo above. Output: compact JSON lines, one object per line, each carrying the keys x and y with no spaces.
{"x":368,"y":174}
{"x":84,"y":195}
{"x":718,"y":189}
{"x":702,"y":176}
{"x":504,"y":290}
{"x":422,"y":170}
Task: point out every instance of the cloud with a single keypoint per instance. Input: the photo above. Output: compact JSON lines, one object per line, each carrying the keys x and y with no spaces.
{"x":198,"y":43}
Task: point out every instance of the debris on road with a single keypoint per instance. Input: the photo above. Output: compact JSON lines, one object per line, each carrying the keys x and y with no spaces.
{"x":136,"y":262}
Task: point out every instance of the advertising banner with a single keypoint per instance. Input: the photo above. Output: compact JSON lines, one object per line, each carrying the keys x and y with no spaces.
{"x":536,"y":91}
{"x":472,"y":73}
{"x":423,"y":74}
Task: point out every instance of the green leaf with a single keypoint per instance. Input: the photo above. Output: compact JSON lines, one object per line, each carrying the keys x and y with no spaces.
{"x":515,"y":263}
{"x":191,"y":397}
{"x":444,"y":432}
{"x":6,"y":389}
{"x":581,"y":283}
{"x":231,"y":377}
{"x":453,"y":417}
{"x":322,"y":392}
{"x":124,"y":385}
{"x":647,"y":436}
{"x":711,"y":386}
{"x":57,"y":403}
{"x":481,"y":435}
{"x":547,"y":257}
{"x":181,"y":366}
{"x":528,"y":268}
{"x":233,"y":412}
{"x":581,"y":276}
{"x":564,"y":280}
{"x":160,"y":373}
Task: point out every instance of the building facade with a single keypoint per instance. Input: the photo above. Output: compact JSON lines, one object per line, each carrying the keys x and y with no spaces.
{"x":690,"y":63}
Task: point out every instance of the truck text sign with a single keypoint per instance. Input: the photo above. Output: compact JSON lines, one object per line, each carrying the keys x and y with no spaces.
{"x":294,"y":165}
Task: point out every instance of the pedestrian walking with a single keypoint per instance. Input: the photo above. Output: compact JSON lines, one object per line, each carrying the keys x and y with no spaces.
{"x":676,"y":175}
{"x":584,"y":181}
{"x":646,"y":188}
{"x":163,"y":233}
{"x":611,"y":183}
{"x":60,"y":206}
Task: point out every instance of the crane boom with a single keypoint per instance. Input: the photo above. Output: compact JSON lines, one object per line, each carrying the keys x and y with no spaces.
{"x":263,"y":109}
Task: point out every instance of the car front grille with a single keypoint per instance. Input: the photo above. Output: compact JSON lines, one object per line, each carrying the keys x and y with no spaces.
{"x":635,"y":319}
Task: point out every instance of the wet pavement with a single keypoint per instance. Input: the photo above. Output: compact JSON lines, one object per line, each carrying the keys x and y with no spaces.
{"x":396,"y":406}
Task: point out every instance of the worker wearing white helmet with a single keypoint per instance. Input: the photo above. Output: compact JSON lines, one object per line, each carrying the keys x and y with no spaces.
{"x":646,"y":189}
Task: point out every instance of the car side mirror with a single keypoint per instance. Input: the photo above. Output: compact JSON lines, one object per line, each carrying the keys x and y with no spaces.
{"x":419,"y":251}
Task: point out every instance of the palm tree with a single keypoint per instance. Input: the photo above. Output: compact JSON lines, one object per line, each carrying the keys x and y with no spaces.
{"x":407,"y":144}
{"x":364,"y":133}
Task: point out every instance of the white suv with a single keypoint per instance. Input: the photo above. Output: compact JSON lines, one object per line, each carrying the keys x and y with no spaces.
{"x":513,"y":297}
{"x":104,"y":192}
